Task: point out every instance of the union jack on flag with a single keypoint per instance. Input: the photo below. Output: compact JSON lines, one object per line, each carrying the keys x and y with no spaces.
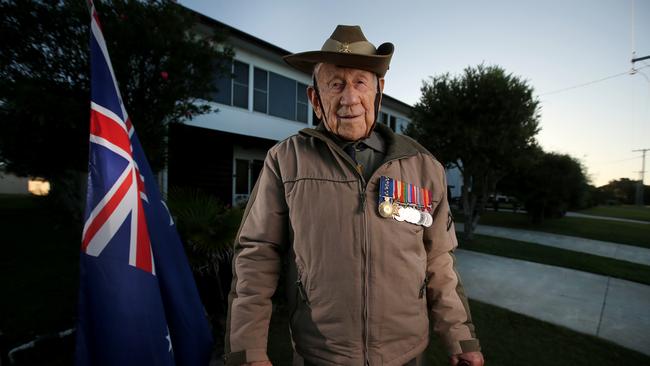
{"x":138,"y":303}
{"x":125,"y":196}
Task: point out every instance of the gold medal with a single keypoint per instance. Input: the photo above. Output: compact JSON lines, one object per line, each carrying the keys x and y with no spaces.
{"x":386,"y":209}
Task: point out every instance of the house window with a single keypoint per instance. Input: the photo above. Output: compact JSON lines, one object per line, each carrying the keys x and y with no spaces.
{"x":393,"y":123}
{"x":240,"y":85}
{"x":301,"y":102}
{"x":246,"y":173}
{"x":282,"y":96}
{"x":402,"y":124}
{"x":383,"y":118}
{"x":260,"y":91}
{"x":233,"y":89}
{"x":279,"y":96}
{"x":223,"y":94}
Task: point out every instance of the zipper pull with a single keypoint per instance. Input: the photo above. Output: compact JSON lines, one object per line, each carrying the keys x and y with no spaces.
{"x":301,"y":291}
{"x":424,"y":287}
{"x":362,"y":197}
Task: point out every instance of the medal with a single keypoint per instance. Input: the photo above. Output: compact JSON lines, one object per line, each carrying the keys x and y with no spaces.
{"x":386,"y":209}
{"x":425,"y":219}
{"x":411,"y":215}
{"x":404,"y":202}
{"x":400,"y":212}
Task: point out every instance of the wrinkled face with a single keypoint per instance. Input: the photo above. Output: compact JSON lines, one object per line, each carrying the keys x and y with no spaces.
{"x":348,"y":97}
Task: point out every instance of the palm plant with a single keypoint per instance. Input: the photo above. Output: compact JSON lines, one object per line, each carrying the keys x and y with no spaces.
{"x":207,"y":228}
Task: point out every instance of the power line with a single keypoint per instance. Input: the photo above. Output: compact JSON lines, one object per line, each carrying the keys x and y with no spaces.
{"x":620,"y":160}
{"x":590,"y":83}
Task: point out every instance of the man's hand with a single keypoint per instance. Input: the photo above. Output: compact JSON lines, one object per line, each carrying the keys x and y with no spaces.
{"x":258,"y":363}
{"x":467,"y":359}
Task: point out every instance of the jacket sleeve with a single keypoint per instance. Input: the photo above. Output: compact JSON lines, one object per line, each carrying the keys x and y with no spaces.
{"x":256,"y":267}
{"x":449,"y":309}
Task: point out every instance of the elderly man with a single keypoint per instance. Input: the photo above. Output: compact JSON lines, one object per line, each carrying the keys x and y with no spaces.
{"x":360,"y":214}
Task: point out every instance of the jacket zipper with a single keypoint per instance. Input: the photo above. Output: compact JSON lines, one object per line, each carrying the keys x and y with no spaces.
{"x":366,"y":272}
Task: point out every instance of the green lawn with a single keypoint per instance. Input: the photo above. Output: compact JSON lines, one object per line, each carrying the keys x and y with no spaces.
{"x":558,"y":257}
{"x":631,"y":212}
{"x":38,"y":269}
{"x":507,"y":339}
{"x":614,"y":231}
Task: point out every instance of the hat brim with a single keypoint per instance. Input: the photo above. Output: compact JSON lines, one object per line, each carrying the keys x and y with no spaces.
{"x":378,"y":63}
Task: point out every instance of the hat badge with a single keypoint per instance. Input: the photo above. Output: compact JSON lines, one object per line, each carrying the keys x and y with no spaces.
{"x":344,"y":48}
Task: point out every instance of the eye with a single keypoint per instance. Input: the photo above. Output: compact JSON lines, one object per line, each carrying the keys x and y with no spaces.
{"x":337,"y":85}
{"x":362,"y":84}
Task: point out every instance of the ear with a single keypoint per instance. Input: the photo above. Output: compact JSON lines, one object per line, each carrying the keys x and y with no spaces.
{"x":313,"y":99}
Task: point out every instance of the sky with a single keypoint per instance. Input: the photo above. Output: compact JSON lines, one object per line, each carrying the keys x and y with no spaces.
{"x":555,"y":45}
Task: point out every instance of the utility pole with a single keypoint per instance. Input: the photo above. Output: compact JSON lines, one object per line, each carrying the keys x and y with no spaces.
{"x":640,"y":185}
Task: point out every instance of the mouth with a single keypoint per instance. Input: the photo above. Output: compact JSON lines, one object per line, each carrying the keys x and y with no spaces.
{"x":348,"y":117}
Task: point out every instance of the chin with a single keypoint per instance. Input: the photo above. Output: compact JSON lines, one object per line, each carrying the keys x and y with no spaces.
{"x":353,"y":133}
{"x":352,"y":136}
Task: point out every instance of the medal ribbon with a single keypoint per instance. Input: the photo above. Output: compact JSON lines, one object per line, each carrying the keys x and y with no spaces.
{"x":405,"y":194}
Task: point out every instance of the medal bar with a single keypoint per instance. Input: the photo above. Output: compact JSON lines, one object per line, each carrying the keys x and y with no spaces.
{"x":404,"y":202}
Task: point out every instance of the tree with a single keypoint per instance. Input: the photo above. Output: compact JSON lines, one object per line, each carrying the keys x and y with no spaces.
{"x":621,"y":190}
{"x":164,"y":70}
{"x":548,"y":185}
{"x":479,"y":122}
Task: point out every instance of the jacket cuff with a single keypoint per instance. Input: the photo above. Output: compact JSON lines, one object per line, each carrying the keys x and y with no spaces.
{"x":245,"y":356}
{"x":464,"y":346}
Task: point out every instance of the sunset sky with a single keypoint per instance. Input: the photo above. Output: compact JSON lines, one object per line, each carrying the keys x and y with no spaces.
{"x":555,"y":45}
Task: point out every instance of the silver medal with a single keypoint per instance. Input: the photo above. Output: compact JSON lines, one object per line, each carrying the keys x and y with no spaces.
{"x":411,"y":215}
{"x":427,"y":219}
{"x":400,"y":214}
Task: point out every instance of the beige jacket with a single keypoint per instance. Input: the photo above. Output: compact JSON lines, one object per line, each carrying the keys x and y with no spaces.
{"x":356,"y":281}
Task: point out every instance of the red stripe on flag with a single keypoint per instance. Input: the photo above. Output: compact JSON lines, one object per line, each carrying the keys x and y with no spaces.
{"x":95,"y":16}
{"x":109,"y":129}
{"x":143,"y":246}
{"x":104,"y":214}
{"x":129,"y":125}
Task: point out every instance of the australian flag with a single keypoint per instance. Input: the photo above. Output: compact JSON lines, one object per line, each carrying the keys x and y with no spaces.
{"x":138,"y":303}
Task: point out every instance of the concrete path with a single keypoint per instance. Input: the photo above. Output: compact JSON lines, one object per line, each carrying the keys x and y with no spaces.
{"x":606,"y":307}
{"x":602,"y":248}
{"x":576,"y":214}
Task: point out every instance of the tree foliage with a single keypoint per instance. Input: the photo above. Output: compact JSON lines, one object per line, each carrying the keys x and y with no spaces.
{"x":480,"y":122}
{"x":548,"y":185}
{"x":622,"y":190}
{"x":163,"y":69}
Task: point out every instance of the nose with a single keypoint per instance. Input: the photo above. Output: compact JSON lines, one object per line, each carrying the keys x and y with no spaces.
{"x":350,"y":96}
